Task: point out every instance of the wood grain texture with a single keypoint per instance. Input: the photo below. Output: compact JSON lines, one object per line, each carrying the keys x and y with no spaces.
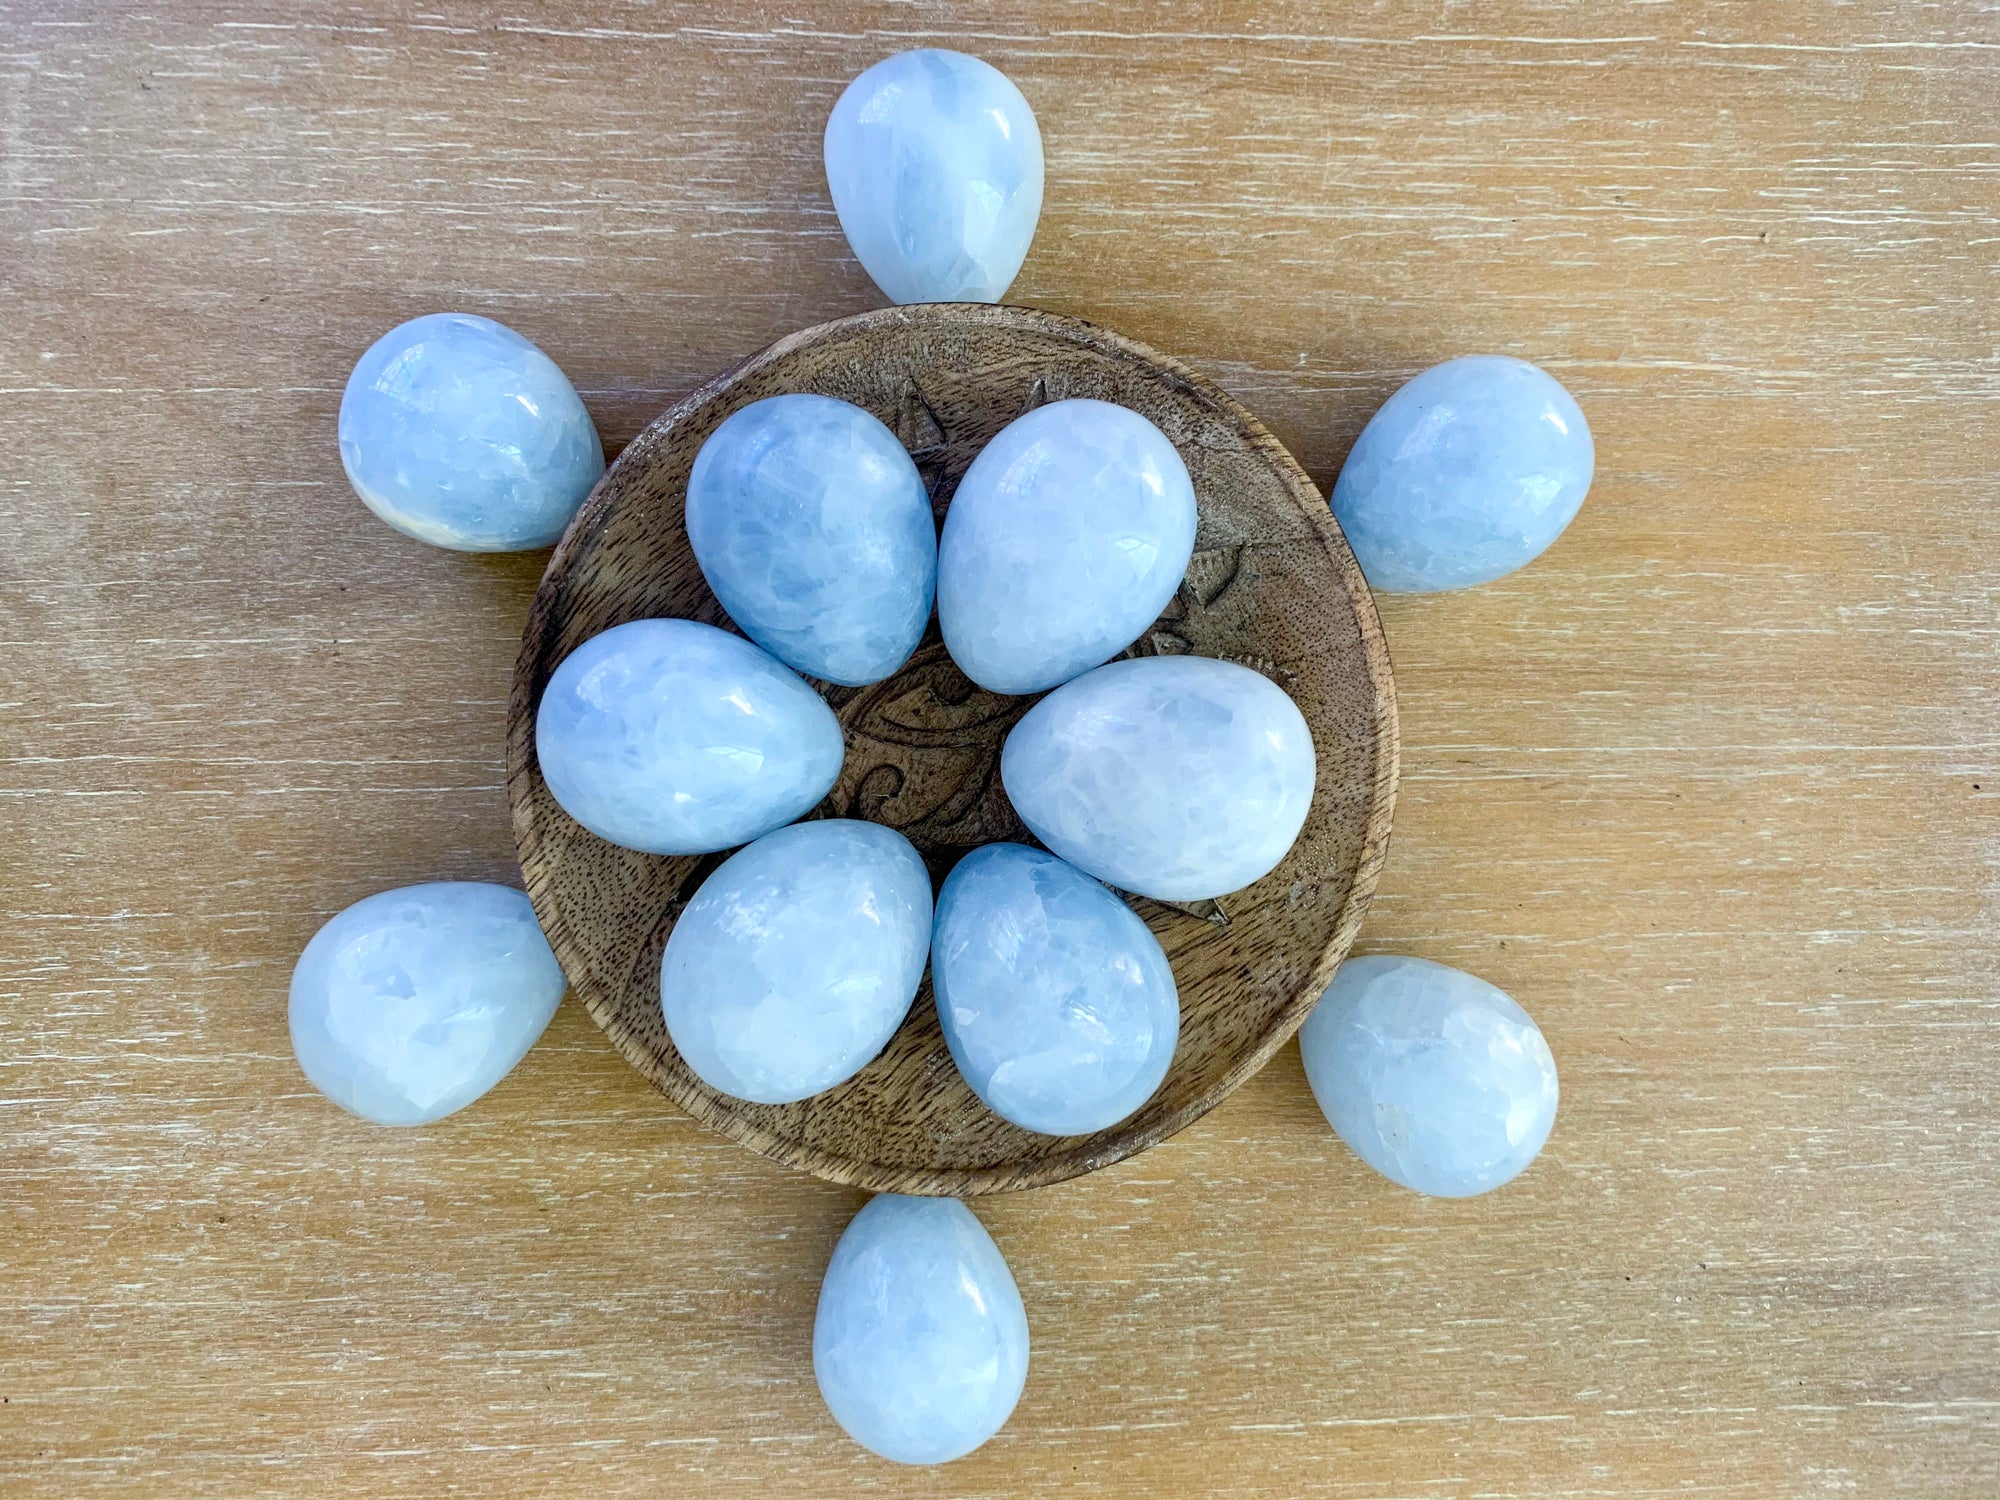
{"x":1710,"y":788}
{"x":1272,"y":585}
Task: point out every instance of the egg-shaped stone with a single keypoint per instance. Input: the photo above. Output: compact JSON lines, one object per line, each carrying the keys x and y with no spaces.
{"x":814,"y":529}
{"x":1057,"y":1002}
{"x":412,"y":1003}
{"x":1175,"y":777}
{"x":797,"y":959}
{"x":1065,"y":540}
{"x":1468,"y":472}
{"x":935,"y":166}
{"x":673,"y":737}
{"x":920,"y":1344}
{"x":457,"y":431}
{"x":1435,"y":1078}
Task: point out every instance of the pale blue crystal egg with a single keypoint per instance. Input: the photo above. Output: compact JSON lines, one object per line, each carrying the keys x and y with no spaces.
{"x":797,"y":959}
{"x":1175,"y":777}
{"x":1435,"y":1078}
{"x":1468,"y":472}
{"x":457,"y":431}
{"x":412,"y":1003}
{"x":673,"y":737}
{"x":921,"y":1343}
{"x":1064,"y":541}
{"x":935,"y":166}
{"x":814,"y":528}
{"x":1057,"y":1002}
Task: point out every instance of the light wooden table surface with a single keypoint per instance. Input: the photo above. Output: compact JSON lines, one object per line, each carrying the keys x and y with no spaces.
{"x":1709,"y":788}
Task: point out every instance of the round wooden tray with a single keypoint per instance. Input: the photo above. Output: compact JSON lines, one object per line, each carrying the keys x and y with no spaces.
{"x":1272,"y":584}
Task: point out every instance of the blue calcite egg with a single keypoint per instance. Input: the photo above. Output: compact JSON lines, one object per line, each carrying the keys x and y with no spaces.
{"x":921,"y":1343}
{"x":1175,"y":777}
{"x":412,"y":1003}
{"x":459,"y":432}
{"x":814,"y":528}
{"x":1056,"y":1000}
{"x":673,"y":737}
{"x":1468,"y":472}
{"x":1065,"y":540}
{"x":935,"y":166}
{"x":797,"y":959}
{"x":1435,"y":1078}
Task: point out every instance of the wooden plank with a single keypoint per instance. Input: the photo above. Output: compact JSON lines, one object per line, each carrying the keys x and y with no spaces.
{"x":1710,"y":788}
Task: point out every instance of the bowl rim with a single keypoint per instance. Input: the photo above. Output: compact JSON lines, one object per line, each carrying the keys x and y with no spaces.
{"x":1084,"y":1154}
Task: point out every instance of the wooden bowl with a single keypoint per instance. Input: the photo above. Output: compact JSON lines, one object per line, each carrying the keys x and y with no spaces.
{"x":1272,"y":584}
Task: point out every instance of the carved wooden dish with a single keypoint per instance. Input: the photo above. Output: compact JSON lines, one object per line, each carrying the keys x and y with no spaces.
{"x":1272,"y":584}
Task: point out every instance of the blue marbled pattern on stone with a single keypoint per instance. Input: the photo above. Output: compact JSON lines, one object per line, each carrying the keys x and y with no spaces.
{"x":1064,"y":541}
{"x":457,"y":431}
{"x":935,"y":166}
{"x":814,"y":529}
{"x":1175,"y":777}
{"x":797,"y":959}
{"x":412,"y":1003}
{"x":921,"y":1343}
{"x":1468,"y":472}
{"x":673,"y":737}
{"x":1057,"y":1002}
{"x":1435,"y":1078}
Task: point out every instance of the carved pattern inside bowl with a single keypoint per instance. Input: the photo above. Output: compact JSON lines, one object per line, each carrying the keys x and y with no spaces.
{"x":1271,"y":585}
